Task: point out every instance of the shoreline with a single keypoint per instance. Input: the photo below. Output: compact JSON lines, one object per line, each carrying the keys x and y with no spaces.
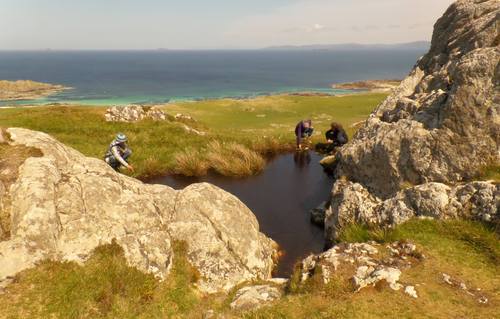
{"x":21,"y":90}
{"x":7,"y":104}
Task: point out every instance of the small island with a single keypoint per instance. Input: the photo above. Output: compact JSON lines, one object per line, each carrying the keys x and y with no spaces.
{"x":27,"y":90}
{"x":369,"y":85}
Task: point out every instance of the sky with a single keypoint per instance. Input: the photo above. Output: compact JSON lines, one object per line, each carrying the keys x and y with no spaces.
{"x":211,"y":24}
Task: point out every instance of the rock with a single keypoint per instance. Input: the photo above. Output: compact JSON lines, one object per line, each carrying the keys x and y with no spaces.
{"x":64,"y":204}
{"x":184,"y":117}
{"x":328,"y":162}
{"x":442,"y":124}
{"x":367,"y":276}
{"x":352,"y":203}
{"x":362,"y":263}
{"x":318,"y":214}
{"x":192,"y":130}
{"x":410,"y":290}
{"x":461,"y":286}
{"x":254,"y":297}
{"x":134,"y":113}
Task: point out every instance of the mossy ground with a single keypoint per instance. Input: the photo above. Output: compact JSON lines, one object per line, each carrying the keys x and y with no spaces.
{"x":252,"y":127}
{"x":105,"y":287}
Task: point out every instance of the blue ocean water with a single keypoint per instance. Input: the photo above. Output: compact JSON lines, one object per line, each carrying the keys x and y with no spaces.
{"x":109,"y":77}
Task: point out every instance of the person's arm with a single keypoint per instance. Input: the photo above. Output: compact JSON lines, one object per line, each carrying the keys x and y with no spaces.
{"x":328,"y":136}
{"x":119,"y":158}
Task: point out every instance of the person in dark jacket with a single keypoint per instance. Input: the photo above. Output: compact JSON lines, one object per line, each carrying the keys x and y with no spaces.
{"x":118,"y":153}
{"x":303,"y":130}
{"x":335,"y":137}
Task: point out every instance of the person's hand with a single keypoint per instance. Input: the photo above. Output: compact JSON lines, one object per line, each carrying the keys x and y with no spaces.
{"x":130,"y":168}
{"x":299,"y":147}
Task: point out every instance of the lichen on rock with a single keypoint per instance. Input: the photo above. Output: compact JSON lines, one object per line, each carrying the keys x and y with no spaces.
{"x":64,"y":205}
{"x":420,"y":150}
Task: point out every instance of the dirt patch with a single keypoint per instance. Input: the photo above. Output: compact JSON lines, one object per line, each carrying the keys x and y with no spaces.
{"x":11,"y":157}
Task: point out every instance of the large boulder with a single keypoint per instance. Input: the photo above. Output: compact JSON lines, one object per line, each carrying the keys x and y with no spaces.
{"x":64,"y":204}
{"x":352,"y":203}
{"x":442,"y":123}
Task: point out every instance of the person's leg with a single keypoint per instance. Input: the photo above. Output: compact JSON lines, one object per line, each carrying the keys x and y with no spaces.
{"x":113,"y":163}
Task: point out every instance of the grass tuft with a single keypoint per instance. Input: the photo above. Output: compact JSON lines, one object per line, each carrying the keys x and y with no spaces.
{"x":233,"y":159}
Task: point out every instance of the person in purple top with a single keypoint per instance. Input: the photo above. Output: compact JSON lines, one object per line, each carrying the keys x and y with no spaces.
{"x":303,"y":130}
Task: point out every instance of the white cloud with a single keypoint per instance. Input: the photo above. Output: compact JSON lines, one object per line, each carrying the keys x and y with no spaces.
{"x":338,"y":21}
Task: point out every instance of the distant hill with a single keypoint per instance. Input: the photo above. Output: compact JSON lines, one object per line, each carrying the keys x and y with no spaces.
{"x":418,"y":45}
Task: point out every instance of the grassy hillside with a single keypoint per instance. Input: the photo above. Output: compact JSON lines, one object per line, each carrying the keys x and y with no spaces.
{"x":240,"y":132}
{"x":105,"y":287}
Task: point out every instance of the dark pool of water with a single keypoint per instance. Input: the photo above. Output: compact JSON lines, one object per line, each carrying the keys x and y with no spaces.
{"x":281,"y":198}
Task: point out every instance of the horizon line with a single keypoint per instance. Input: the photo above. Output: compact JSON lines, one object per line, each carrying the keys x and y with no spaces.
{"x":290,"y":46}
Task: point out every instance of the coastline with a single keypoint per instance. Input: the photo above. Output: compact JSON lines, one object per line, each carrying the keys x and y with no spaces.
{"x":51,"y":98}
{"x":11,"y":91}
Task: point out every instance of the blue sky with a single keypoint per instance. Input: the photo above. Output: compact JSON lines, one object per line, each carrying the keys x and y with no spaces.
{"x":215,"y":24}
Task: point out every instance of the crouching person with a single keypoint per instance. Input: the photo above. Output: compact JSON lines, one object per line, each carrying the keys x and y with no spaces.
{"x":335,"y":137}
{"x":118,"y":153}
{"x":303,"y":132}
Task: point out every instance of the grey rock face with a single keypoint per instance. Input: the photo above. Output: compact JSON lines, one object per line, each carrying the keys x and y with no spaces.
{"x":352,"y":203}
{"x":254,"y":297}
{"x":133,"y":113}
{"x":442,"y":123}
{"x":64,"y":204}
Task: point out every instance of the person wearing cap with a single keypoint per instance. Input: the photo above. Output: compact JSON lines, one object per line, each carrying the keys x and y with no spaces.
{"x":118,"y":153}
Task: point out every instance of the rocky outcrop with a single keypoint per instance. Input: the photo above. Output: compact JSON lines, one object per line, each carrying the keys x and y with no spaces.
{"x":443,"y":121}
{"x":352,"y":203}
{"x":134,"y":113}
{"x":64,"y":204}
{"x":363,"y":264}
{"x":27,"y":90}
{"x":436,"y":130}
{"x":254,"y":297}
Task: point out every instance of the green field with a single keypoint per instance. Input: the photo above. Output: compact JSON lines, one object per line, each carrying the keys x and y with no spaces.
{"x":240,"y":133}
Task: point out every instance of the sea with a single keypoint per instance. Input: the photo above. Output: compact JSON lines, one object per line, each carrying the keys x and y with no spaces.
{"x":161,"y":76}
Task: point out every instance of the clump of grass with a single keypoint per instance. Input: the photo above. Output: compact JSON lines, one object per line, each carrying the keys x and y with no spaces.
{"x":191,"y":162}
{"x":360,"y":233}
{"x":233,"y":159}
{"x":490,"y":172}
{"x":104,"y":287}
{"x":272,"y":145}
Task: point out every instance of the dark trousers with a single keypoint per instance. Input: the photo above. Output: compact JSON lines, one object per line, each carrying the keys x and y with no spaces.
{"x":114,"y":163}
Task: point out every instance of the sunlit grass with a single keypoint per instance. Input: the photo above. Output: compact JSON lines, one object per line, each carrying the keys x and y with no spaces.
{"x":264,"y":125}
